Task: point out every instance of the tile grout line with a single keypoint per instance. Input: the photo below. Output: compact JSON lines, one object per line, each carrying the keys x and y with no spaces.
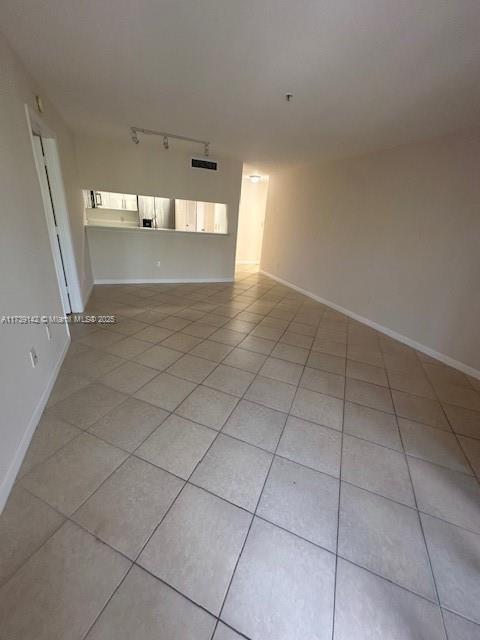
{"x":130,"y":454}
{"x":421,"y":523}
{"x":334,"y":608}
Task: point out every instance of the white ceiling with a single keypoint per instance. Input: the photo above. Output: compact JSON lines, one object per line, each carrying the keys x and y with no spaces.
{"x":365,"y":74}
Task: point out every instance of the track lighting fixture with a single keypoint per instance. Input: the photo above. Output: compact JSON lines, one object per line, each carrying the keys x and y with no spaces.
{"x":134,"y":131}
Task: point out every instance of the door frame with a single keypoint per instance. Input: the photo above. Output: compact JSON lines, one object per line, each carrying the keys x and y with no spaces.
{"x":36,"y":125}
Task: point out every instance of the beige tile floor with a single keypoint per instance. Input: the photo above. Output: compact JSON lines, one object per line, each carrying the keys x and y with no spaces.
{"x":239,"y":461}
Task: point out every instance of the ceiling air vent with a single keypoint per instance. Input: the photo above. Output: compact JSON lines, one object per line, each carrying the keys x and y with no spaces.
{"x":203,"y":163}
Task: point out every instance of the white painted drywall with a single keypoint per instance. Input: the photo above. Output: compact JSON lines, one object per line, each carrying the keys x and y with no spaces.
{"x":251,"y":219}
{"x":28,"y":284}
{"x":148,"y":169}
{"x":392,"y":236}
{"x":131,"y":255}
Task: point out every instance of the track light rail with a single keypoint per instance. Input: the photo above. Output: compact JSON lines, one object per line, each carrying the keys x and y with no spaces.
{"x":166,"y":136}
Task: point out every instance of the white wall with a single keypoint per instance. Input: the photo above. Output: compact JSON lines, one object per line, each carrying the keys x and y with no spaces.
{"x":392,"y":236}
{"x":28,"y":284}
{"x":131,"y":255}
{"x":148,"y":169}
{"x":251,"y":217}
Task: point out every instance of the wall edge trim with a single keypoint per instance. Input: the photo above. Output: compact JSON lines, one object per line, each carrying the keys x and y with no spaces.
{"x":448,"y":360}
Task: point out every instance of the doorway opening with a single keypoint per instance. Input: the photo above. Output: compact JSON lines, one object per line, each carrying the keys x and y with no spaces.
{"x":49,"y":173}
{"x":251,"y":216}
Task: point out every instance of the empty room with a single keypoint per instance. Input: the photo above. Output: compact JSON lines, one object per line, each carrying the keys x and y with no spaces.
{"x":240,"y":320}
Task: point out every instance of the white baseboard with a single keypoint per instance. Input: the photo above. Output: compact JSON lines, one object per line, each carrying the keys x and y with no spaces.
{"x":451,"y":362}
{"x":12,"y":471}
{"x":160,"y":280}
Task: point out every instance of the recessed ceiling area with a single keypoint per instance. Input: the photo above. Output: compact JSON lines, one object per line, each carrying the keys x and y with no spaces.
{"x":364,"y":75}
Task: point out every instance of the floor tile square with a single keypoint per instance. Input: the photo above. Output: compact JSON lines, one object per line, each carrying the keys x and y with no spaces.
{"x":302,"y":501}
{"x":158,"y":357}
{"x":91,"y":363}
{"x":129,"y":423}
{"x":303,"y":329}
{"x":128,"y":377}
{"x":297,"y":339}
{"x":196,"y":547}
{"x":215,"y":319}
{"x":386,"y":538}
{"x":181,"y":342}
{"x":377,"y":469}
{"x":145,"y":605}
{"x":177,"y":446}
{"x":25,"y":524}
{"x":165,"y":391}
{"x":227,"y":336}
{"x":199,"y":330}
{"x":282,"y":588}
{"x":471,"y":448}
{"x":311,"y":445}
{"x":297,"y":355}
{"x":233,"y":470}
{"x":434,"y":445}
{"x":223,"y":632}
{"x":51,"y":434}
{"x":326,"y":362}
{"x":246,"y":360}
{"x":463,"y":421}
{"x":86,"y":406}
{"x":128,"y":506}
{"x":319,"y":408}
{"x":128,"y":347}
{"x":446,"y":494}
{"x":371,"y":424}
{"x":419,"y":409}
{"x":458,"y":395}
{"x":271,"y":393}
{"x":66,"y":384}
{"x":173,"y":323}
{"x":60,"y":591}
{"x":191,"y":368}
{"x":208,"y":407}
{"x":367,"y":373}
{"x":458,"y":628}
{"x":101,"y":339}
{"x":229,"y":380}
{"x":256,"y":424}
{"x":370,"y":395}
{"x":325,"y":382}
{"x":415,"y":384}
{"x":257,"y":345}
{"x":368,"y":607}
{"x":454,"y":553}
{"x":281,"y":370}
{"x":365,"y":354}
{"x":153,"y":334}
{"x":73,"y":473}
{"x":214,"y":351}
{"x":328,"y":346}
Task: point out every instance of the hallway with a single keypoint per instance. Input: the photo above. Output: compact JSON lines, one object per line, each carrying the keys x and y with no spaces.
{"x":240,"y":461}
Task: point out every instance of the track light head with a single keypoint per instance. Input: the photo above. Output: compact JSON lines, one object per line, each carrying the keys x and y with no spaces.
{"x":135,"y":139}
{"x":165,"y":142}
